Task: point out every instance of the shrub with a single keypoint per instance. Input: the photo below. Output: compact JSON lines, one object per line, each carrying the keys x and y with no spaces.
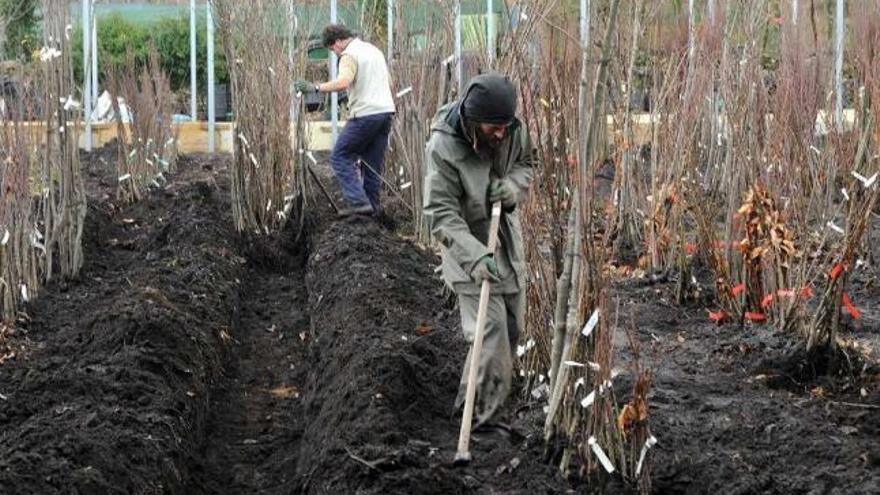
{"x":22,"y":32}
{"x":117,"y":36}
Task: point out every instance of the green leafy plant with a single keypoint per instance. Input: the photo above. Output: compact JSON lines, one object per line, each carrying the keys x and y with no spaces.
{"x":170,"y":35}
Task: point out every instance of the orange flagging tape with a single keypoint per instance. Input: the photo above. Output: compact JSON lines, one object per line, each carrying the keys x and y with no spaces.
{"x":806,"y":292}
{"x":835,"y":272}
{"x":736,"y":289}
{"x":690,"y":247}
{"x":718,"y":316}
{"x":754,"y":316}
{"x":767,"y":300}
{"x":850,"y":307}
{"x":784,"y":293}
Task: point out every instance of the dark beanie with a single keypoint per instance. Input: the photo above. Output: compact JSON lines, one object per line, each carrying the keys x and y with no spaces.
{"x":489,"y":99}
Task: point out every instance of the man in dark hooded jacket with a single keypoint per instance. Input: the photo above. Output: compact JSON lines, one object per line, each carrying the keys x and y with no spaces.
{"x":479,"y":153}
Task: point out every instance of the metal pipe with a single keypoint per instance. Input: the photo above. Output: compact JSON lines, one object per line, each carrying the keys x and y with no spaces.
{"x":193,"y":67}
{"x":87,"y":80}
{"x":390,"y":30}
{"x":291,"y":13}
{"x":458,"y":62}
{"x":490,"y":33}
{"x":691,"y":33}
{"x":94,"y":46}
{"x":585,"y":23}
{"x":334,"y":97}
{"x":838,"y":65}
{"x":211,"y":107}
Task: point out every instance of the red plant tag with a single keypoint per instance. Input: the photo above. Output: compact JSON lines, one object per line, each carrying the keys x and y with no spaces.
{"x":767,"y":300}
{"x":850,"y":307}
{"x":755,"y":316}
{"x":836,"y":271}
{"x":806,"y":292}
{"x":736,"y":289}
{"x":718,"y":316}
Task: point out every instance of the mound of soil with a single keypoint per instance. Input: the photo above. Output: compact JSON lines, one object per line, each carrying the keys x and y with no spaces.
{"x":386,"y":355}
{"x":110,"y":390}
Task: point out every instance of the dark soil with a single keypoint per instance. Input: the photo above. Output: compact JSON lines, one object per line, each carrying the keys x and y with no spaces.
{"x":110,"y":389}
{"x":387,"y":356}
{"x":185,"y":360}
{"x":736,"y":411}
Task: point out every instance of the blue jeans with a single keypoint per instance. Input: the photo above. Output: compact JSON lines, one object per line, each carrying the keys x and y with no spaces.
{"x":364,"y":138}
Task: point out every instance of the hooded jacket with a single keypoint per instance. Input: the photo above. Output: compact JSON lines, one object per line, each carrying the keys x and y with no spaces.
{"x":456,"y":204}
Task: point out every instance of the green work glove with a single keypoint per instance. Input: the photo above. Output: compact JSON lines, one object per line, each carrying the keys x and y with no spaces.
{"x":502,"y":190}
{"x":485,"y":269}
{"x":305,"y":87}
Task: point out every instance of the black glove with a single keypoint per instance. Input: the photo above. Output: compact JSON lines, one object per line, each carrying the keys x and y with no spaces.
{"x":502,"y":190}
{"x":485,"y":269}
{"x":305,"y":87}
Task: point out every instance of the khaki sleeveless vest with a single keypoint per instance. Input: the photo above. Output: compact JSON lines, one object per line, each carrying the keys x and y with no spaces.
{"x":370,"y":93}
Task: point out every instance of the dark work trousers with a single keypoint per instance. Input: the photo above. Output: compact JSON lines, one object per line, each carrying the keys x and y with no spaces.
{"x":358,"y":159}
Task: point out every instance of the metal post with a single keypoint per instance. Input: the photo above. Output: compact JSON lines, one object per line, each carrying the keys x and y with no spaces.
{"x":87,"y":80}
{"x":294,"y":24}
{"x":585,"y":23}
{"x":334,"y":97}
{"x":691,"y":28}
{"x":94,"y":46}
{"x":794,"y":12}
{"x":458,"y":61}
{"x":838,"y":65}
{"x":711,"y":11}
{"x":490,"y":33}
{"x":211,"y":106}
{"x":390,"y":30}
{"x":193,"y":67}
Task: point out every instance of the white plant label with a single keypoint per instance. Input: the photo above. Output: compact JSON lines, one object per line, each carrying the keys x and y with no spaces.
{"x":5,"y":239}
{"x":600,"y":454}
{"x":831,"y":225}
{"x":404,"y":91}
{"x":573,"y":364}
{"x":650,"y":442}
{"x":521,"y":350}
{"x":311,"y":156}
{"x":867,"y":182}
{"x":588,"y":400}
{"x":591,"y":323}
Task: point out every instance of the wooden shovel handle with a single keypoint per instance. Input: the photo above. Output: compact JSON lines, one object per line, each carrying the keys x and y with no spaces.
{"x":464,"y":437}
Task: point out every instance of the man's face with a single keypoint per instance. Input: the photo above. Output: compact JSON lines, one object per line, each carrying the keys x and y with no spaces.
{"x":337,"y":47}
{"x":492,"y":134}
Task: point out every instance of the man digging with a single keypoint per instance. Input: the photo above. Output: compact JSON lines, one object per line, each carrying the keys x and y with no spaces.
{"x":478,"y":153}
{"x":358,"y":157}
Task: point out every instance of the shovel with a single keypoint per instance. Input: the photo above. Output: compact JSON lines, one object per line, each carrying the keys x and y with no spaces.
{"x":463,"y":456}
